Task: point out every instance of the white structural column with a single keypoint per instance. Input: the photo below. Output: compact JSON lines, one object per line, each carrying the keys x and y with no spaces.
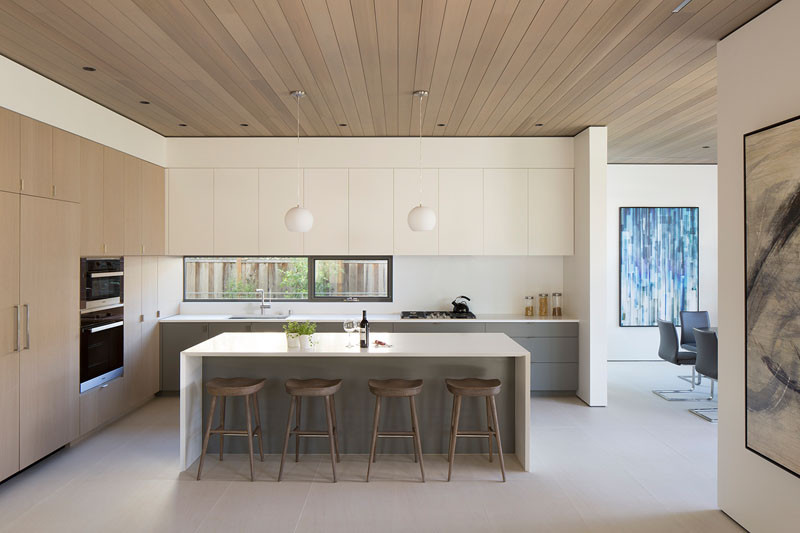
{"x":585,"y":272}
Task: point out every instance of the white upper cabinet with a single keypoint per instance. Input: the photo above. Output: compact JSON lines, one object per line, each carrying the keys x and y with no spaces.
{"x":325,"y":193}
{"x":505,"y":211}
{"x":370,"y":210}
{"x":191,"y":211}
{"x":406,"y":197}
{"x":551,"y":212}
{"x":236,"y":211}
{"x":461,"y":211}
{"x":277,"y":192}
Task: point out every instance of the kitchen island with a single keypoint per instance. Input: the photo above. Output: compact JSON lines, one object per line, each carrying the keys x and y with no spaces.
{"x":409,"y":355}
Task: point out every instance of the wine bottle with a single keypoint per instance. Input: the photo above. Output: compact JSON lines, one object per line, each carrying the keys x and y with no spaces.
{"x":363,"y":329}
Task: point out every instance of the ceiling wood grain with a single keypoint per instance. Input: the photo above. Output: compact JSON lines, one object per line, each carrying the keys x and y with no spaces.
{"x":493,"y":67}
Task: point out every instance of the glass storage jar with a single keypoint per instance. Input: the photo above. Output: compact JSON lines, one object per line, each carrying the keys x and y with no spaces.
{"x":556,"y":302}
{"x":530,"y":309}
{"x":544,"y":306}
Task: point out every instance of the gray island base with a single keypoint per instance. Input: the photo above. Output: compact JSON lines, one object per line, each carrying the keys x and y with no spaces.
{"x":411,"y":355}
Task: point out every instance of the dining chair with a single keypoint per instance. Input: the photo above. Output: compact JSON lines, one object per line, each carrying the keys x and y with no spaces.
{"x":707,"y":365}
{"x":669,"y":351}
{"x":689,"y":321}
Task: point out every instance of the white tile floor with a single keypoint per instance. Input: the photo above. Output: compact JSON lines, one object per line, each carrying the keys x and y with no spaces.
{"x":641,"y":464}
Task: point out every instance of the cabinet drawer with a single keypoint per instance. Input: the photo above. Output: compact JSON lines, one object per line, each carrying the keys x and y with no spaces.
{"x":101,"y":404}
{"x":554,"y":376}
{"x":439,"y":327}
{"x":534,"y":329}
{"x":550,"y":349}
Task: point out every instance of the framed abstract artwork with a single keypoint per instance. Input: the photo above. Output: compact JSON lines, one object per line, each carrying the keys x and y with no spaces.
{"x":772,"y":293}
{"x":658,"y":264}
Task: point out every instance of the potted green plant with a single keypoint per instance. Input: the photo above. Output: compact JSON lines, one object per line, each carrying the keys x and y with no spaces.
{"x":298,"y":334}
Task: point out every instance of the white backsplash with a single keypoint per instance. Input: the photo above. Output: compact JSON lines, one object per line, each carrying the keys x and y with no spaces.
{"x":496,"y":285}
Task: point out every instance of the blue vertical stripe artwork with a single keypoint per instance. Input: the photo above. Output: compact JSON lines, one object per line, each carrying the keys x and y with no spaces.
{"x":658,"y":264}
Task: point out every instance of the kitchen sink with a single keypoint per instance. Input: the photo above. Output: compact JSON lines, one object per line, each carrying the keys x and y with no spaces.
{"x":258,"y":317}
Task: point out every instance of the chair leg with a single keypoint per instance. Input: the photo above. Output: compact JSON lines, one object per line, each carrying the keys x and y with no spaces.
{"x":496,"y":425}
{"x":258,"y":427}
{"x":335,"y":428}
{"x":489,"y":425}
{"x":286,"y":437}
{"x":224,"y":400}
{"x":250,"y":435}
{"x":417,"y":440}
{"x":208,"y":435}
{"x":297,"y":428}
{"x":411,"y":408}
{"x":374,"y":441}
{"x":330,"y":435}
{"x":454,"y":435}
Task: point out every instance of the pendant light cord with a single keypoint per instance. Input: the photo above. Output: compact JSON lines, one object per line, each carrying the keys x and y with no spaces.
{"x":421,"y":94}
{"x":297,"y":97}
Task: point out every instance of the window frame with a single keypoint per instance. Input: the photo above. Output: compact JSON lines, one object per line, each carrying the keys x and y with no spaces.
{"x":312,"y":297}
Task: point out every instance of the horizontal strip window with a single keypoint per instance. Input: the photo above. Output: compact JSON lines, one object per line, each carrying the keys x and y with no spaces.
{"x":291,"y":279}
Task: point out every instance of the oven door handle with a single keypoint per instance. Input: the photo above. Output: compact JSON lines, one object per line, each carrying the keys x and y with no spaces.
{"x":107,"y":326}
{"x":95,"y":275}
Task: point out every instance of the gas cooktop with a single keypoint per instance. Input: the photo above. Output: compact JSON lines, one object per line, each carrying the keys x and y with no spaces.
{"x":437,"y":315}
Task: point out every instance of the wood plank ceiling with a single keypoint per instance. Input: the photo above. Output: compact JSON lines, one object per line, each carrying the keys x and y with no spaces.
{"x":493,"y":67}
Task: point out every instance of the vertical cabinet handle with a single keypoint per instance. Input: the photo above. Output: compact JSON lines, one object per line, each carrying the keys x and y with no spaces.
{"x":16,"y":328}
{"x":27,"y":327}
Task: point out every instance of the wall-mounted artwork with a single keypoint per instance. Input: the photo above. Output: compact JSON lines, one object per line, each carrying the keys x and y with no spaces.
{"x":772,"y":293}
{"x":658,"y":264}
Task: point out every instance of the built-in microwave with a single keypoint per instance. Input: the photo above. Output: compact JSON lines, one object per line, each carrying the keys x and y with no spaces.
{"x":102,"y":284}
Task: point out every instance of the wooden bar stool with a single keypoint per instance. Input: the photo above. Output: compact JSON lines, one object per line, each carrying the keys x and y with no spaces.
{"x":475,"y":387}
{"x":396,"y":388}
{"x":224,"y":387}
{"x":324,"y":388}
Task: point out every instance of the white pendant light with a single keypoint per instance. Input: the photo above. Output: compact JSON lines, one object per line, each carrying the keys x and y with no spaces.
{"x":421,"y":218}
{"x":298,"y":218}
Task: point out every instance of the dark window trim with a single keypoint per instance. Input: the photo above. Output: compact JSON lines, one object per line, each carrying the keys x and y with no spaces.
{"x":312,"y":297}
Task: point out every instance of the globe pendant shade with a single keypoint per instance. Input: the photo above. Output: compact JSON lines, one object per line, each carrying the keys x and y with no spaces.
{"x":298,"y":219}
{"x":422,"y":218}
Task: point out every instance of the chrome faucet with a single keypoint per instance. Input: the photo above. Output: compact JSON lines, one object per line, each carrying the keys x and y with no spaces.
{"x":265,"y":305}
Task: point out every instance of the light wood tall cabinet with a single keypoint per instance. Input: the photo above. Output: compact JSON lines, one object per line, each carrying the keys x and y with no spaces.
{"x":132,"y":182}
{"x":505,"y":211}
{"x":191,"y":211}
{"x":36,"y":157}
{"x":551,"y":212}
{"x":235,"y":211}
{"x":10,"y":316}
{"x":325,"y":193}
{"x":113,"y":202}
{"x":370,"y":214}
{"x":66,"y":166}
{"x":277,"y":193}
{"x":141,"y":356}
{"x":461,"y":211}
{"x":92,"y":215}
{"x":153,"y":209}
{"x":9,"y":151}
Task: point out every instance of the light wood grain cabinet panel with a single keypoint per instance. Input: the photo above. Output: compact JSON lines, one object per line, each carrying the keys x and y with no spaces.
{"x":236,"y":211}
{"x":113,"y":202}
{"x":460,"y":211}
{"x":191,"y":211}
{"x":36,"y":157}
{"x":49,"y":360}
{"x":135,"y":374}
{"x":370,"y":213}
{"x":132,"y":176}
{"x":102,"y":404}
{"x":551,"y":212}
{"x":407,"y":197}
{"x":9,"y":150}
{"x":9,"y":334}
{"x":505,"y":211}
{"x":277,"y":193}
{"x":149,"y":351}
{"x":325,"y":193}
{"x":170,"y":285}
{"x":153,"y":209}
{"x":66,"y":166}
{"x":92,"y":238}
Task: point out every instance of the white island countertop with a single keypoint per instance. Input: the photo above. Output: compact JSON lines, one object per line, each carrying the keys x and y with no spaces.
{"x":340,"y":317}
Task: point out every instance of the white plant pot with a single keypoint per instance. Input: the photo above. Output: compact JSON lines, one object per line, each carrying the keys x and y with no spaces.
{"x":305,"y":342}
{"x":293,"y":341}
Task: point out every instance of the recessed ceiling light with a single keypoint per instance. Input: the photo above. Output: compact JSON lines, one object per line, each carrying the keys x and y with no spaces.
{"x":89,"y":69}
{"x":681,"y":6}
{"x":342,"y":125}
{"x":144,"y":102}
{"x":245,"y":124}
{"x":182,"y":125}
{"x":706,"y":147}
{"x":441,"y":124}
{"x":538,"y":124}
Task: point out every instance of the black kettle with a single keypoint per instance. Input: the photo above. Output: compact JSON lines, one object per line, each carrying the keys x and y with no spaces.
{"x":460,"y":306}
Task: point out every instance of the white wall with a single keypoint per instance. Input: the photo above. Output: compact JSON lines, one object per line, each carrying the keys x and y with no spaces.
{"x":35,"y":96}
{"x":759,"y":84}
{"x":659,"y":186}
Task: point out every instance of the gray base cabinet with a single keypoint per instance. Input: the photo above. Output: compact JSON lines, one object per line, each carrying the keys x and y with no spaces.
{"x":174,"y":339}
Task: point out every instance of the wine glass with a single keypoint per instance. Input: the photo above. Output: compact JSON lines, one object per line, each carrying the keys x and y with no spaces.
{"x":350,"y":327}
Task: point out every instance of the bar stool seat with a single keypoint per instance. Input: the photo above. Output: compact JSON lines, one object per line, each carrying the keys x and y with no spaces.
{"x":312,"y":388}
{"x":396,"y":388}
{"x":233,"y":387}
{"x":475,"y":387}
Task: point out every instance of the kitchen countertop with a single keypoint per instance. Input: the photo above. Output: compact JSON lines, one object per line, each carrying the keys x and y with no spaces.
{"x":394,"y":317}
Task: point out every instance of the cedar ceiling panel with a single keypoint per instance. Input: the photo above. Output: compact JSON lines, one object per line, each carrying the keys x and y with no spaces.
{"x":493,"y":67}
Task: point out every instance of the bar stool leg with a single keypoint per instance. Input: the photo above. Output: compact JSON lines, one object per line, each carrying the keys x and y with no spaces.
{"x":496,"y":425}
{"x":375,"y":419}
{"x":208,"y":435}
{"x":411,"y":408}
{"x":335,"y":428}
{"x":297,"y":428}
{"x":223,"y":401}
{"x":286,"y":438}
{"x":250,"y":435}
{"x":454,"y":435}
{"x":330,"y":435}
{"x":258,"y":427}
{"x":417,"y":440}
{"x":489,"y":425}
